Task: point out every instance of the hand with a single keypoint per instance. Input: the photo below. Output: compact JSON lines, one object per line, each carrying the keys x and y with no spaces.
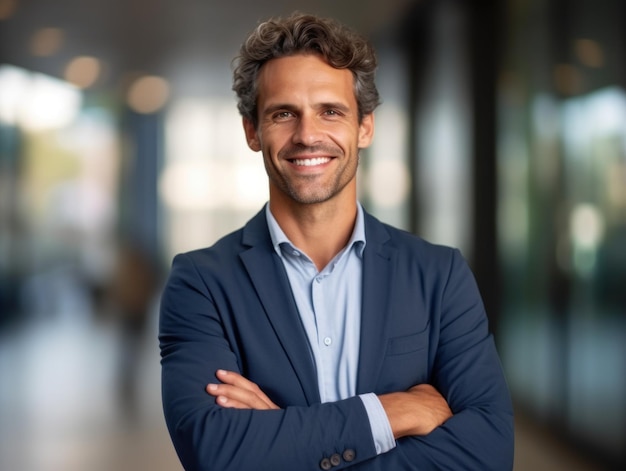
{"x":417,"y":411}
{"x":238,"y":392}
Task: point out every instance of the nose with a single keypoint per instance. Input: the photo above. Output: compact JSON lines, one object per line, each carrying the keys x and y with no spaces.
{"x":308,"y":130}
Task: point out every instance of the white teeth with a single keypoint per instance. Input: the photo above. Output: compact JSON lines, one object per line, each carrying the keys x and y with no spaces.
{"x":312,"y":162}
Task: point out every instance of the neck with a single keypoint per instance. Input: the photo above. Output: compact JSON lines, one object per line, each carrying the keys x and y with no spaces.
{"x":320,"y":230}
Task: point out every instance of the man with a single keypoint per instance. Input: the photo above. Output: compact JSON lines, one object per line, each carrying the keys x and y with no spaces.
{"x":317,"y":337}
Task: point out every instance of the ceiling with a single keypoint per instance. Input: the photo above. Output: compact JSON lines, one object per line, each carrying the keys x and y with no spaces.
{"x":161,"y":37}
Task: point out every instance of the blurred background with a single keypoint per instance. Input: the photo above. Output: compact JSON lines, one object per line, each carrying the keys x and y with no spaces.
{"x":502,"y":132}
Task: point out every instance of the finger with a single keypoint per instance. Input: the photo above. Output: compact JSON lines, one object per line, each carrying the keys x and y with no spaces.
{"x":239,"y":381}
{"x":227,"y":402}
{"x":236,"y":396}
{"x":231,"y":396}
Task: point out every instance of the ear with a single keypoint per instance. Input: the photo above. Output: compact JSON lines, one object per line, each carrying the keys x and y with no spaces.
{"x":251,"y":135}
{"x":366,"y":131}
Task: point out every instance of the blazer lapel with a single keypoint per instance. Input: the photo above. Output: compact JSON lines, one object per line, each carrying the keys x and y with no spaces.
{"x":378,"y":263}
{"x":272,"y":287}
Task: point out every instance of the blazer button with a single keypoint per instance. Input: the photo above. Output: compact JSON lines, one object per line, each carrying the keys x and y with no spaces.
{"x":349,"y":455}
{"x":325,"y":464}
{"x":335,"y":459}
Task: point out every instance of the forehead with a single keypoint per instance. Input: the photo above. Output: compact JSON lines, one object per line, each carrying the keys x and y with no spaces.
{"x":303,"y":75}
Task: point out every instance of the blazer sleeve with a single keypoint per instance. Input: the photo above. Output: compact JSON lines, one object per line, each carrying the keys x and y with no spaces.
{"x":467,"y":372}
{"x":208,"y":437}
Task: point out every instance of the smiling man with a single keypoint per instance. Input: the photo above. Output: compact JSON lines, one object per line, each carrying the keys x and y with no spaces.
{"x":317,"y":337}
{"x":309,"y":132}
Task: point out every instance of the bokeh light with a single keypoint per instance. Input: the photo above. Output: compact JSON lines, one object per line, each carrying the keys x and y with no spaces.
{"x":148,"y":94}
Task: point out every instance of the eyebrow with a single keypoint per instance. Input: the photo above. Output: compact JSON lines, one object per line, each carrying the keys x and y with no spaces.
{"x":278,"y":107}
{"x":290,"y":107}
{"x":335,"y":106}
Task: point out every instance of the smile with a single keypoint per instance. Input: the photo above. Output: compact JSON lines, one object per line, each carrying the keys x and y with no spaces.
{"x":311,"y":162}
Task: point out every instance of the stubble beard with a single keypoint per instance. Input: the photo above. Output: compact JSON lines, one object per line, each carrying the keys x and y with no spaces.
{"x":304,"y":190}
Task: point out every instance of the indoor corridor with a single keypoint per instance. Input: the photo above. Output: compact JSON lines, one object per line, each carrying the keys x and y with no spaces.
{"x":75,"y":396}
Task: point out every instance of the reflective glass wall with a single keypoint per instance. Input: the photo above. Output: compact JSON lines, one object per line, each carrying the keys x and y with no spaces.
{"x":562,"y":217}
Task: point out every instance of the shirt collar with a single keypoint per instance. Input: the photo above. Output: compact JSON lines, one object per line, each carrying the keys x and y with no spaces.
{"x":278,"y":236}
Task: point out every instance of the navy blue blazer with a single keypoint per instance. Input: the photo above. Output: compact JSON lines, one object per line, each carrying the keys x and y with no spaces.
{"x":230,"y":306}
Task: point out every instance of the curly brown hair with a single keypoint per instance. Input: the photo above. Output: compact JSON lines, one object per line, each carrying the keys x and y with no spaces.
{"x":299,"y":33}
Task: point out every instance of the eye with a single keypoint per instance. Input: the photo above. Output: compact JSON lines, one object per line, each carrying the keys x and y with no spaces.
{"x":282,"y":115}
{"x":333,"y":113}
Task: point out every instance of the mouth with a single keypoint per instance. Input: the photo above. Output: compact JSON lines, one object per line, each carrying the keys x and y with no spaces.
{"x":311,"y":162}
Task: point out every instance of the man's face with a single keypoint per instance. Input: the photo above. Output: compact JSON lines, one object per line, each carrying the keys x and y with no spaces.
{"x":308,"y":129}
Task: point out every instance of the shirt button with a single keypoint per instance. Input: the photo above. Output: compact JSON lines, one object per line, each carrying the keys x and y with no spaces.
{"x":335,"y":459}
{"x":325,"y":464}
{"x":328,"y":341}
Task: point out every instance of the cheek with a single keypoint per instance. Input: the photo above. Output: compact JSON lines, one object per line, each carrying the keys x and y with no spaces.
{"x":274,"y":139}
{"x":348,"y":140}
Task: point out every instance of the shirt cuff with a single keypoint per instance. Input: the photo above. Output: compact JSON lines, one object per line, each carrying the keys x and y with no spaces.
{"x":381,"y":429}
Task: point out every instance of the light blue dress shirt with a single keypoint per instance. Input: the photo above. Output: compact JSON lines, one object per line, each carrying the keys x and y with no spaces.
{"x":329,"y":303}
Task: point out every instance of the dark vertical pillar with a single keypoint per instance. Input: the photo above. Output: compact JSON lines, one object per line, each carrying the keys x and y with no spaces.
{"x":484,"y":19}
{"x":416,"y":42}
{"x":139,"y":211}
{"x":12,"y":231}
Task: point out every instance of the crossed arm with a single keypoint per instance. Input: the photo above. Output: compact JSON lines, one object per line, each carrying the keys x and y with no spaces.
{"x":417,"y":411}
{"x":232,"y":423}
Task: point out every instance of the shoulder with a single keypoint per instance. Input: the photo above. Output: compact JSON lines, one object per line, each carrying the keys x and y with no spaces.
{"x":408,"y":246}
{"x":230,"y":246}
{"x":225,"y":247}
{"x":205,"y":263}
